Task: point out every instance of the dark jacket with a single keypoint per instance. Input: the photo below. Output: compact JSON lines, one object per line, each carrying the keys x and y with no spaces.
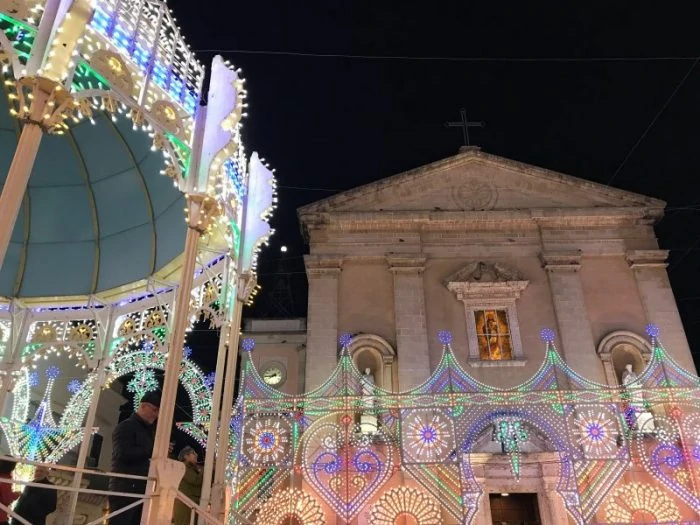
{"x":36,"y":503}
{"x":132,"y":446}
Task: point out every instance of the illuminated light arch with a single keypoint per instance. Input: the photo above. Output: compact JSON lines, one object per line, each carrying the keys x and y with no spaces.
{"x":291,"y":504}
{"x":405,"y":502}
{"x":640,"y":501}
{"x":191,"y":377}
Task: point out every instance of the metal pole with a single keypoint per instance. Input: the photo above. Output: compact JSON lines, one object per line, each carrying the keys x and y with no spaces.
{"x":218,"y":508}
{"x":221,"y":357}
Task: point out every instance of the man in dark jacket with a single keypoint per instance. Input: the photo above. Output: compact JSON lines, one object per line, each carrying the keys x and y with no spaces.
{"x":36,"y":503}
{"x":132,"y":446}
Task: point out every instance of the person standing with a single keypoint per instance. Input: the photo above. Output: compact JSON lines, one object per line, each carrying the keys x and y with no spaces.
{"x":132,"y":447}
{"x":36,"y":503}
{"x":7,"y":495}
{"x":190,"y":486}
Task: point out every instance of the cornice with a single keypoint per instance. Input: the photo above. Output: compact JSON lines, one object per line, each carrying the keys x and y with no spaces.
{"x":561,"y":261}
{"x":639,"y":259}
{"x":475,"y":220}
{"x":406,"y":263}
{"x":323,"y":265}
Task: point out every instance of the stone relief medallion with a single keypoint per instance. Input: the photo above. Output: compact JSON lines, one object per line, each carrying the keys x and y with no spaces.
{"x":475,"y":194}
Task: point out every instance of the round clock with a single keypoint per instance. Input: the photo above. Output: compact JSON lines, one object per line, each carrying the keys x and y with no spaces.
{"x":273,"y":374}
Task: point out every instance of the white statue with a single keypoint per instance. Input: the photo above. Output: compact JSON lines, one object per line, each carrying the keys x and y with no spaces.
{"x":368,"y":419}
{"x":644,"y":420}
{"x":368,"y":389}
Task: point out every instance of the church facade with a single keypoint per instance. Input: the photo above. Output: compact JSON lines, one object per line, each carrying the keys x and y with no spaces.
{"x":482,"y":346}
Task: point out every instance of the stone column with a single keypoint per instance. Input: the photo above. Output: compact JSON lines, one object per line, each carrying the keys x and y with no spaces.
{"x":574,"y":326}
{"x":649,"y":267}
{"x":322,"y":322}
{"x":411,"y":329}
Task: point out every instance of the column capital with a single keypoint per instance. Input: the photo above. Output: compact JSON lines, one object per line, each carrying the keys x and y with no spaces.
{"x":323,"y":265}
{"x":561,"y":261}
{"x":638,"y":259}
{"x":201,"y":211}
{"x":44,"y":103}
{"x":406,"y":263}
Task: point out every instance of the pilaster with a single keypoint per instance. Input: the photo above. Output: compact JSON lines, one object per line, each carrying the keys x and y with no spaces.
{"x":323,"y":273}
{"x":649,"y":268}
{"x":411,"y":327}
{"x":577,"y":343}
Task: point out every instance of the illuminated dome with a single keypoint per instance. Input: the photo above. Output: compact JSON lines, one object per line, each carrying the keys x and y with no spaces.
{"x":97,"y":214}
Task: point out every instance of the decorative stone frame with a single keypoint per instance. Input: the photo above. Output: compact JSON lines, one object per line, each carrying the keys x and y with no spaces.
{"x":614,"y":339}
{"x":384,"y":356}
{"x":481,"y":286}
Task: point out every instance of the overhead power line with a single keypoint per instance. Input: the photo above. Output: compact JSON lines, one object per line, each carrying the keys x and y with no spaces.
{"x":449,"y":58}
{"x":653,"y":121}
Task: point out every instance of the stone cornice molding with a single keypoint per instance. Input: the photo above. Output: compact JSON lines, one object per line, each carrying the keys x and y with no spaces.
{"x":406,"y":263}
{"x":639,"y":259}
{"x":487,"y":294}
{"x":561,"y":261}
{"x":417,"y":220}
{"x":486,"y":284}
{"x":323,"y":265}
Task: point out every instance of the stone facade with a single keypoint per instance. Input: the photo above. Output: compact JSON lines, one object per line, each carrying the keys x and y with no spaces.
{"x":398,"y":260}
{"x":588,"y":253}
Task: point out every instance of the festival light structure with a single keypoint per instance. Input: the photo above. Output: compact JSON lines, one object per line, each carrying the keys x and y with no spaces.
{"x":418,"y":464}
{"x":101,"y":103}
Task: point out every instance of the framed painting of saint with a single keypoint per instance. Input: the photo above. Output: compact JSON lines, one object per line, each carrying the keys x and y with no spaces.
{"x":493,"y":335}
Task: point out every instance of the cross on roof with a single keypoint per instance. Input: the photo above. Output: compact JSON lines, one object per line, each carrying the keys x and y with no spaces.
{"x":465,"y":125}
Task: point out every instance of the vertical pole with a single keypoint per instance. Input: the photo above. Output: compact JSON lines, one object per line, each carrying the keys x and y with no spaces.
{"x":87,"y":436}
{"x":201,"y":209}
{"x":16,"y":182}
{"x":221,"y":358}
{"x":218,"y":507}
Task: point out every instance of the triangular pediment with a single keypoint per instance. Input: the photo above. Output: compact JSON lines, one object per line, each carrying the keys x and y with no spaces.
{"x":474,"y":180}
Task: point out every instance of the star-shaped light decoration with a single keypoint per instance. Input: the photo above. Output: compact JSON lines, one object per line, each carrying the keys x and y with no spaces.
{"x":345,"y":340}
{"x":547,"y":335}
{"x":74,"y":385}
{"x":653,"y":331}
{"x":445,"y":337}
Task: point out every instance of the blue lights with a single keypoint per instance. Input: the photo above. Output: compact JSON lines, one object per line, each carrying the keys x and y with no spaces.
{"x":162,"y":69}
{"x":234,"y":175}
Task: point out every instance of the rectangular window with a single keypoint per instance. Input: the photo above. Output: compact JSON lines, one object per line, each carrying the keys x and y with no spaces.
{"x":493,"y":335}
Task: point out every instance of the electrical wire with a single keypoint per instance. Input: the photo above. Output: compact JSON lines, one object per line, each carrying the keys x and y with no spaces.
{"x":653,"y":121}
{"x":447,"y":58}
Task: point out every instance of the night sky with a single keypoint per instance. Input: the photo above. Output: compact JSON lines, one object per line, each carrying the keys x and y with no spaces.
{"x":572,"y":88}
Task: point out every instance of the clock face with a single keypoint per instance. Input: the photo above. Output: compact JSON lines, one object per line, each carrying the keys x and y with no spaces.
{"x":273,"y":375}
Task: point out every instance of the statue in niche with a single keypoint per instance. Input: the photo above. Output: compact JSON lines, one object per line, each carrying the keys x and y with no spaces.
{"x":644,"y":420}
{"x":368,"y":419}
{"x":368,"y":389}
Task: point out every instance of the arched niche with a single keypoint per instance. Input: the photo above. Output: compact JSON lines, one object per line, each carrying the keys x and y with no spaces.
{"x":620,"y":348}
{"x":374,"y":352}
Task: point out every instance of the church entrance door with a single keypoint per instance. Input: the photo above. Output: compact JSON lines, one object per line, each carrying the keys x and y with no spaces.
{"x":514,"y":509}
